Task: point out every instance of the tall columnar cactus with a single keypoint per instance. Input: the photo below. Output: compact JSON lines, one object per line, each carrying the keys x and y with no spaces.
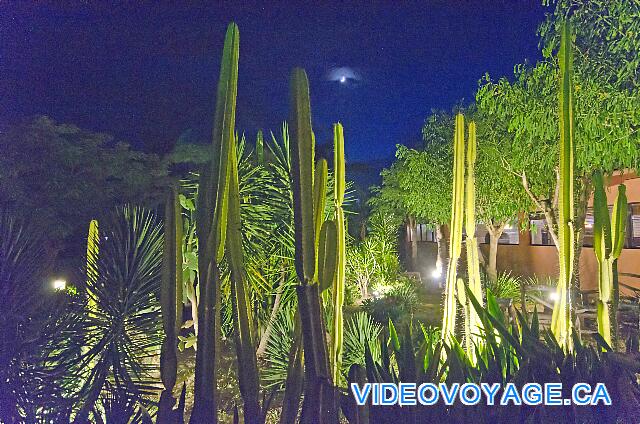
{"x":319,"y":400}
{"x":473,"y":262}
{"x":211,"y":228}
{"x":339,"y":278}
{"x":561,"y":323}
{"x":608,"y":240}
{"x":248,"y":377}
{"x":171,"y":305}
{"x":93,"y":247}
{"x":455,"y":244}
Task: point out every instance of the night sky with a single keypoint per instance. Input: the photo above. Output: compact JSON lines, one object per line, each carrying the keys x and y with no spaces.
{"x":147,"y":74}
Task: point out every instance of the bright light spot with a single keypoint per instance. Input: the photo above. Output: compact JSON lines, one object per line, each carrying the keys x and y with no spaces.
{"x":553,"y":296}
{"x":343,"y":79}
{"x":436,"y":273}
{"x":59,"y":284}
{"x":376,"y":294}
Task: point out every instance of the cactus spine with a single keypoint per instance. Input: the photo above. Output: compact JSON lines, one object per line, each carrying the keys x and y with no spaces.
{"x":455,"y":244}
{"x":474,"y":325}
{"x":212,"y":221}
{"x":339,"y":279}
{"x":171,"y":304}
{"x":248,"y":377}
{"x":608,"y":240}
{"x":561,"y":323}
{"x":319,"y":403}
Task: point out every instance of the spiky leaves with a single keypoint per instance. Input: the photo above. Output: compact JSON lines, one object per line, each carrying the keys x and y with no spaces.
{"x":340,"y":249}
{"x":455,"y":243}
{"x":249,"y":380}
{"x":171,"y":304}
{"x":561,"y":322}
{"x":211,"y":228}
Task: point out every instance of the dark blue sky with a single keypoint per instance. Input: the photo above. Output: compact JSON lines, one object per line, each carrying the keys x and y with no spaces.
{"x":148,"y":73}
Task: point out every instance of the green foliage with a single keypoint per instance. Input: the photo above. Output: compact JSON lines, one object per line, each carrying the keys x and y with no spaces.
{"x":119,"y":326}
{"x":398,"y":304}
{"x":505,"y":286}
{"x":29,"y":391}
{"x":360,"y":334}
{"x":510,"y":352}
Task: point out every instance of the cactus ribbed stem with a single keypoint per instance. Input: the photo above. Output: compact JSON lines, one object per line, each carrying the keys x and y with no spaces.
{"x":449,"y":315}
{"x":171,"y":304}
{"x":561,"y":323}
{"x":212,"y":222}
{"x":474,"y":327}
{"x":339,"y":278}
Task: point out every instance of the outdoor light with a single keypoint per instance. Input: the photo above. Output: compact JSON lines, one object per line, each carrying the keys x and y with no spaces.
{"x":553,"y":296}
{"x":376,"y":294}
{"x":436,"y":273}
{"x":59,"y":284}
{"x":343,"y":79}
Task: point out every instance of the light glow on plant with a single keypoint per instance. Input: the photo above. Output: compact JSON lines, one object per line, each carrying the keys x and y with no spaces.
{"x":59,"y":284}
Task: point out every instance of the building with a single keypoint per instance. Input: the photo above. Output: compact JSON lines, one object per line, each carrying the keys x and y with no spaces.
{"x":531,"y":252}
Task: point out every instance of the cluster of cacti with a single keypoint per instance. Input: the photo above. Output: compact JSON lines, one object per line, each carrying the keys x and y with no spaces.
{"x":314,"y":262}
{"x":211,"y":226}
{"x":561,"y":322}
{"x":171,"y":305}
{"x":608,"y":240}
{"x":340,"y":246}
{"x":474,"y":325}
{"x":455,"y":242}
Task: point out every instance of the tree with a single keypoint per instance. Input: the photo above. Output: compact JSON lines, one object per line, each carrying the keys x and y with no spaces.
{"x":59,"y":177}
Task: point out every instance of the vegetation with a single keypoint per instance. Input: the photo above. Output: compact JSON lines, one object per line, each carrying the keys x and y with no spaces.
{"x":251,"y":299}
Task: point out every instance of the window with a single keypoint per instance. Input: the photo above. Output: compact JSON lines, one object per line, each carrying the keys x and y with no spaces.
{"x":633,"y":230}
{"x":632,"y":236}
{"x":424,"y":233}
{"x":540,"y":235}
{"x":510,"y":235}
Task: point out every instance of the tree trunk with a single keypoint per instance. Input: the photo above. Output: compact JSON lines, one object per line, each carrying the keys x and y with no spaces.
{"x":411,"y":226}
{"x":262,"y":346}
{"x":495,"y":232}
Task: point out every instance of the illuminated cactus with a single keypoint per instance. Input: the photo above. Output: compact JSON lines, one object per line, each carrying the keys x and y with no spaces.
{"x":339,"y":278}
{"x":319,"y":398}
{"x":260,"y":148}
{"x":561,"y":323}
{"x":608,"y":240}
{"x":171,"y":305}
{"x":455,"y":243}
{"x":474,"y":326}
{"x":211,"y":226}
{"x":248,"y":377}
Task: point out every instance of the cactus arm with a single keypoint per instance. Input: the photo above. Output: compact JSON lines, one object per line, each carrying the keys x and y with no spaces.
{"x":327,"y":254}
{"x":302,"y":156}
{"x":449,"y":314}
{"x":260,"y":148}
{"x":248,"y":377}
{"x":561,"y":322}
{"x":212,"y":204}
{"x":319,"y":199}
{"x":170,"y":303}
{"x":618,"y":225}
{"x":340,"y":247}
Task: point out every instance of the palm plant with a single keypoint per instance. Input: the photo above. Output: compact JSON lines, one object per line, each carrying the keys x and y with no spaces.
{"x":116,"y":342}
{"x":29,"y":391}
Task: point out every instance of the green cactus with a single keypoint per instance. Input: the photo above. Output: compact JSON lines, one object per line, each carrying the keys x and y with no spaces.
{"x":211,"y":227}
{"x":455,"y":244}
{"x":171,"y":304}
{"x":248,"y":377}
{"x":340,"y":249}
{"x":474,"y":326}
{"x":608,"y":240}
{"x":319,"y":398}
{"x":561,"y":323}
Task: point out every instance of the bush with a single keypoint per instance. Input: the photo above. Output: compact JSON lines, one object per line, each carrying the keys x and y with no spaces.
{"x":396,"y":305}
{"x":506,"y":286}
{"x":361,"y":330}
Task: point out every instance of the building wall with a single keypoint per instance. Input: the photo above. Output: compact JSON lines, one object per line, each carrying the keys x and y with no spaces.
{"x":542,"y":261}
